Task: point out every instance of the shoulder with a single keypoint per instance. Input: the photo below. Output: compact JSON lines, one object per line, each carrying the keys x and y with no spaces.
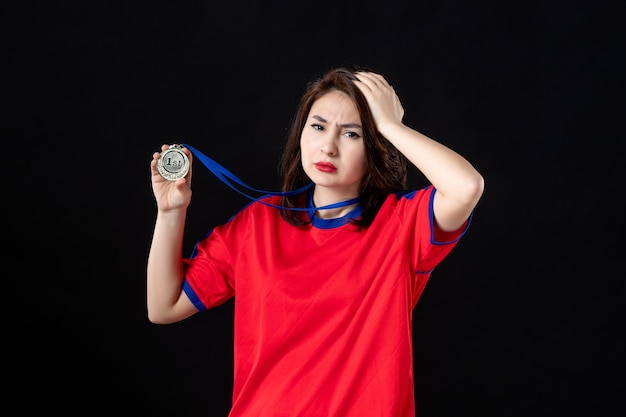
{"x":265,"y":205}
{"x":410,"y":198}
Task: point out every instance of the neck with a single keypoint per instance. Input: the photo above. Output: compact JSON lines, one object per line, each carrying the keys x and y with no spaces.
{"x":335,"y":213}
{"x":321,"y":199}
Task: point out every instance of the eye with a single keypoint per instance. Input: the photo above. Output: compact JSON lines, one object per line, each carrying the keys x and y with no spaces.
{"x":317,"y":126}
{"x":352,"y":135}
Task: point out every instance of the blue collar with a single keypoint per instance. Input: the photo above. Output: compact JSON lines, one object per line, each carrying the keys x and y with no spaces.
{"x":329,"y":223}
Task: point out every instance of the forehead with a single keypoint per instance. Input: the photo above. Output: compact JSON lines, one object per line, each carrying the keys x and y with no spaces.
{"x":335,"y":106}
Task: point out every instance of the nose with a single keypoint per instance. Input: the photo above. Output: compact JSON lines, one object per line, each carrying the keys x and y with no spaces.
{"x":329,"y":147}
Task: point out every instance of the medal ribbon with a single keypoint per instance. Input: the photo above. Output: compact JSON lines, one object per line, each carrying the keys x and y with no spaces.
{"x":229,"y":178}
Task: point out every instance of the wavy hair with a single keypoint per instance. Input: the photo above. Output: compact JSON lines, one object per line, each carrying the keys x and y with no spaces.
{"x":386,"y":167}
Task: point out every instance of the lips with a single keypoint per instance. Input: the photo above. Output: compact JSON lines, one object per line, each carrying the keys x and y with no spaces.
{"x":325,"y":167}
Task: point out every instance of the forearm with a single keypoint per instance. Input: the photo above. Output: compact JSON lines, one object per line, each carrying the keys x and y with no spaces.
{"x":450,"y":173}
{"x":164,"y":268}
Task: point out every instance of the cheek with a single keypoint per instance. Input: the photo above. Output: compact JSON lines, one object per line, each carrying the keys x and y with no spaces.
{"x":363,"y":166}
{"x":307,"y":145}
{"x":358,"y":164}
{"x":359,"y":157}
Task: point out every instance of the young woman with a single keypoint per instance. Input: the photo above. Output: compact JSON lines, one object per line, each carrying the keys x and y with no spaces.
{"x":324,"y":281}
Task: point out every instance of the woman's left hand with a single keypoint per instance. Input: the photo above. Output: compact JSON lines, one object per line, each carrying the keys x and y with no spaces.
{"x":381,"y":98}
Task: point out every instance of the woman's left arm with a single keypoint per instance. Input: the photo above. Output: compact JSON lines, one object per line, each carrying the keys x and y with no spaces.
{"x":459,"y":185}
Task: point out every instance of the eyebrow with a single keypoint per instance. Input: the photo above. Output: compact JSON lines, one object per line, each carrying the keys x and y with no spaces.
{"x":348,"y":125}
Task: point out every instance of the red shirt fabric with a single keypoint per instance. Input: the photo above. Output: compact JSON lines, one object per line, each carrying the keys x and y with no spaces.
{"x":323,"y":313}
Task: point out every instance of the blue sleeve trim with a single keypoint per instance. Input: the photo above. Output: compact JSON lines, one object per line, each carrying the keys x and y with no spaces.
{"x":193,"y":297}
{"x":431,"y":217}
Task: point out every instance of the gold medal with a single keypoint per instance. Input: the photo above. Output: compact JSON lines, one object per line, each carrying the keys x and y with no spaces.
{"x":173,"y":164}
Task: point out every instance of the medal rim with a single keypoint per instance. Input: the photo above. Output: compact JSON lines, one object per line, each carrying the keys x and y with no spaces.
{"x":173,"y":176}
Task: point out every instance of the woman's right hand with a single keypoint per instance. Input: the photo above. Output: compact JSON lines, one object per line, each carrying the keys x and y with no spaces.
{"x":171,"y":195}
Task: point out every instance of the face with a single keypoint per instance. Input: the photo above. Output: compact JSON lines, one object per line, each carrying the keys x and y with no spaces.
{"x":331,"y":145}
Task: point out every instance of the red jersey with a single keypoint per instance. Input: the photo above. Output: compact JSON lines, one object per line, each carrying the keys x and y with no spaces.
{"x":323,"y":312}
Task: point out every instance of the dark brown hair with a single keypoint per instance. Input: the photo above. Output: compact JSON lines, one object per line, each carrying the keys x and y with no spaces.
{"x":386,"y":166}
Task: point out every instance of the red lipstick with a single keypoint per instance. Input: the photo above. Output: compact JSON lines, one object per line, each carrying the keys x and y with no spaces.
{"x":325,"y":166}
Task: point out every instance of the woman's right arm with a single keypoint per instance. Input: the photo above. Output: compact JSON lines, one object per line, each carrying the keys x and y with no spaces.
{"x":166,"y":302}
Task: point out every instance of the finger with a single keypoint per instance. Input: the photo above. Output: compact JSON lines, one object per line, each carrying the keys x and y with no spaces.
{"x":379,"y":78}
{"x":375,"y":78}
{"x":366,"y":79}
{"x":187,"y":152}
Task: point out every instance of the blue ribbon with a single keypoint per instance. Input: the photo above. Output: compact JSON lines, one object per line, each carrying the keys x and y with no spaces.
{"x":228,"y":178}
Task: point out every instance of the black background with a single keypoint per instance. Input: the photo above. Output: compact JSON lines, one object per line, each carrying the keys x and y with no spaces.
{"x":524,"y":318}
